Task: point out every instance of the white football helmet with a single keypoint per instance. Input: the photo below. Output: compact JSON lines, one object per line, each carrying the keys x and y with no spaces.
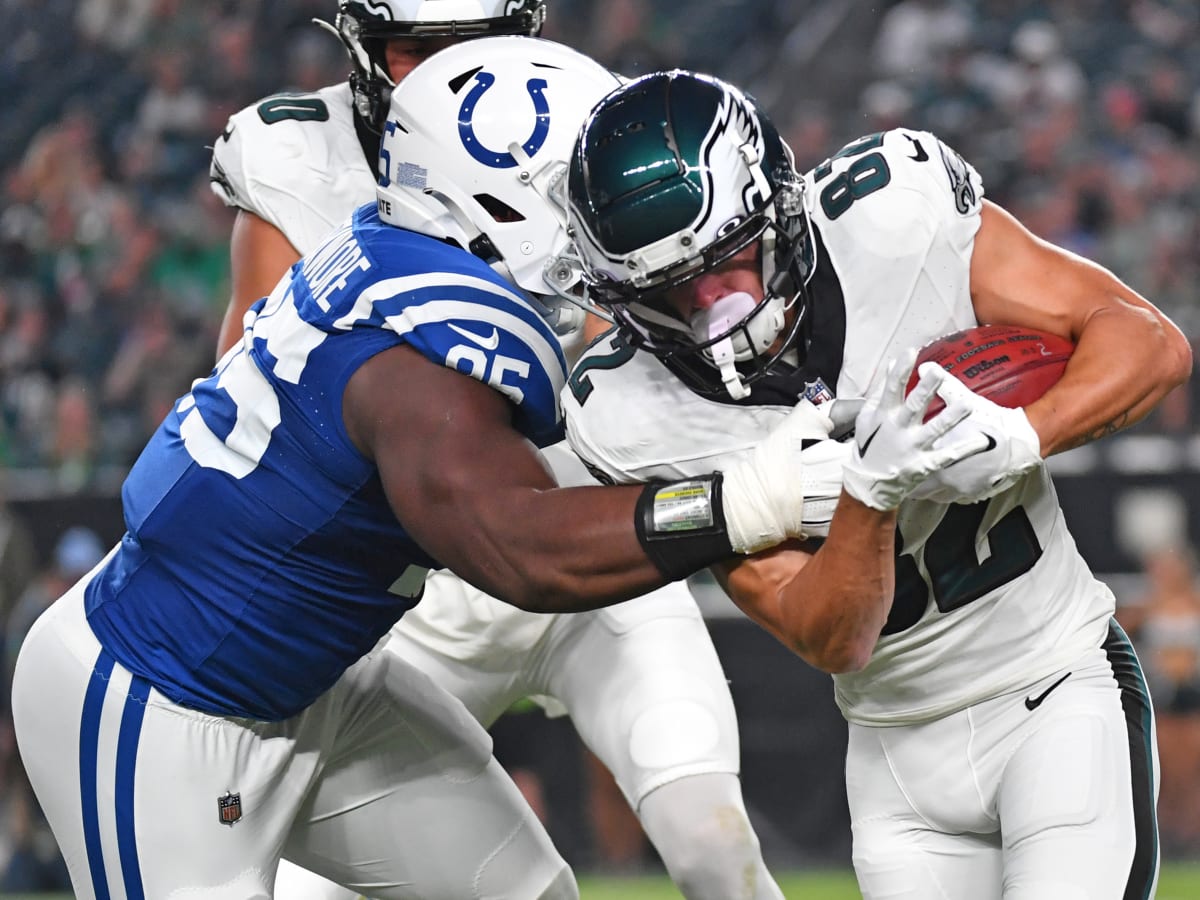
{"x":475,"y":151}
{"x":365,"y":27}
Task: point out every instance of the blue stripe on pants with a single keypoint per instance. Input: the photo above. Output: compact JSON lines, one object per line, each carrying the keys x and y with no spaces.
{"x":89,"y":738}
{"x":127,"y":746}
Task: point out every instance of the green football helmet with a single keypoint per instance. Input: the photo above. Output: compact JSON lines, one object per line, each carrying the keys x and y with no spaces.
{"x":672,"y":175}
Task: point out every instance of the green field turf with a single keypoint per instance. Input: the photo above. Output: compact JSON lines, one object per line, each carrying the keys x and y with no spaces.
{"x":1179,"y":882}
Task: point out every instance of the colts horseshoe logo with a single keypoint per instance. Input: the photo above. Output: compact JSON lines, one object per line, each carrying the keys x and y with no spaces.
{"x":466,"y":131}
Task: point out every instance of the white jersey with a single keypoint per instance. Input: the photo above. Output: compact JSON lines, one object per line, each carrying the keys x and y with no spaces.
{"x":295,"y":161}
{"x":989,"y":596}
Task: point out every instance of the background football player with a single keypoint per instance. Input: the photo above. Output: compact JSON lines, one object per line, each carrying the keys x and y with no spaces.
{"x":1001,"y":737}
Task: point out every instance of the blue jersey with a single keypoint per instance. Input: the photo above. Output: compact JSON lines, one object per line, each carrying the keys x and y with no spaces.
{"x":261,"y":557}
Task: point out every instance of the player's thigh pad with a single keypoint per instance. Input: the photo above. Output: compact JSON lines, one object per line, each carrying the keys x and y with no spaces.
{"x":146,"y":798}
{"x":1076,"y":797}
{"x":411,"y":803}
{"x":920,"y":830}
{"x":645,"y":689}
{"x":1038,"y":803}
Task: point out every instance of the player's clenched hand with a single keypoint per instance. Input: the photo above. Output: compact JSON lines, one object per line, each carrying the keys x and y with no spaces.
{"x":1012,"y":448}
{"x":765,"y":495}
{"x":894,"y":450}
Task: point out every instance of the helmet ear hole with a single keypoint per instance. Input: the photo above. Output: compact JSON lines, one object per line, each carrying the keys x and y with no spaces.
{"x":498,"y":209}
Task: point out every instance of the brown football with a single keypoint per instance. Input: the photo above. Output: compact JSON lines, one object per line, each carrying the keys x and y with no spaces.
{"x":1008,"y":364}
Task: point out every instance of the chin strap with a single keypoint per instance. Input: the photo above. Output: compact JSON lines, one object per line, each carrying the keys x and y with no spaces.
{"x":725,"y":359}
{"x":357,"y":53}
{"x":362,"y":61}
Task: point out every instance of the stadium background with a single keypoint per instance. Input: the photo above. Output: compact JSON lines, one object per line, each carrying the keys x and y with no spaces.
{"x":1083,"y":117}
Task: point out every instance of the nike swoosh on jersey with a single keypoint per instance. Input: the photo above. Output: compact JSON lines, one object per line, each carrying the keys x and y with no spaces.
{"x":491,"y":342}
{"x":1032,"y":703}
{"x":921,"y":155}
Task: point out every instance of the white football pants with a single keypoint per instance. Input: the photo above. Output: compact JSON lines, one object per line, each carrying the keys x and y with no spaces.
{"x":386,"y":784}
{"x":1047,"y":793}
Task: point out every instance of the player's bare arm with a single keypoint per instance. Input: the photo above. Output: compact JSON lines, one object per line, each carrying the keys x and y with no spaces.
{"x":827,"y":605}
{"x":1128,"y":354}
{"x":258,"y":255}
{"x":476,"y":495}
{"x":830,"y":605}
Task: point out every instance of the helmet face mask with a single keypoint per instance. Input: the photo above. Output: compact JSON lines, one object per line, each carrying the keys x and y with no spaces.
{"x":365,"y":27}
{"x":673,"y":175}
{"x":475,"y":150}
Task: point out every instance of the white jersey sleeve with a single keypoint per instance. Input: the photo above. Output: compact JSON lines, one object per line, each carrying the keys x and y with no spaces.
{"x":989,"y":596}
{"x":294,"y":160}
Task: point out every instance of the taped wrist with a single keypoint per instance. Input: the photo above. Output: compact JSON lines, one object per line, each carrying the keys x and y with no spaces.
{"x":681,"y":525}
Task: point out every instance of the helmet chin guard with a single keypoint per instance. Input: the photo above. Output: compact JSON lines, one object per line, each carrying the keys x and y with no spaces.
{"x":672,"y":176}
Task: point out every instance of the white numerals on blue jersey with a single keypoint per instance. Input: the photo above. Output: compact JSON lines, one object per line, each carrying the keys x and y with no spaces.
{"x":257,"y":415}
{"x":477,"y":361}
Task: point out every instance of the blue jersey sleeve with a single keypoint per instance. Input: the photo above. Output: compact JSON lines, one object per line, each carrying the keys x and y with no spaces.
{"x":396,"y":286}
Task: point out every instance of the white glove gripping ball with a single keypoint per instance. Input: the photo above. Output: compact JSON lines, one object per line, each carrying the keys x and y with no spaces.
{"x":894,"y":451}
{"x":1013,"y":448}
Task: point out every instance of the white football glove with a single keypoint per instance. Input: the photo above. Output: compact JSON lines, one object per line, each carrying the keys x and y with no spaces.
{"x":893,"y":450}
{"x":765,"y":494}
{"x":1013,"y":448}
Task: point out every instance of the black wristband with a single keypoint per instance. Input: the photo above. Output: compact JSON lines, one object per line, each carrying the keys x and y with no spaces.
{"x":681,"y":525}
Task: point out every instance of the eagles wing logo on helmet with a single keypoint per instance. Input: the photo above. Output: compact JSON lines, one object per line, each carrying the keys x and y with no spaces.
{"x":376,"y":9}
{"x":537,"y":8}
{"x":756,"y":191}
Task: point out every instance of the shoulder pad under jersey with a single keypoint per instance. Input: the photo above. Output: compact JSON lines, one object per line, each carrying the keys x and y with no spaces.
{"x":897,"y":213}
{"x":386,"y":285}
{"x":901,"y":165}
{"x":630,"y":419}
{"x":295,"y":161}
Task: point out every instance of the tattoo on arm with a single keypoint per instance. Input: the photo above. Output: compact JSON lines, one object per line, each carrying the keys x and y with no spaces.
{"x":1103,"y":431}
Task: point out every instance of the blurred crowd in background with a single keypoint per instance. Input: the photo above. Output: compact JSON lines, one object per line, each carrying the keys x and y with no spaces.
{"x":1083,"y":117}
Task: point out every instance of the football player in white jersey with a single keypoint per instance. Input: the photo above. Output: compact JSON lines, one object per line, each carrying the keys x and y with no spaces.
{"x":641,"y":682}
{"x":1001,"y":736}
{"x":215,"y":695}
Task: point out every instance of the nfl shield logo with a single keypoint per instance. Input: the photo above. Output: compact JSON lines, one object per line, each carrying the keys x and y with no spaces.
{"x":817,"y":392}
{"x":229,"y":808}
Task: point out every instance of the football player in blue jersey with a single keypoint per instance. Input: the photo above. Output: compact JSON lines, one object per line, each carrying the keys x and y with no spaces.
{"x":215,"y":694}
{"x":1001,"y":739}
{"x":294,"y":166}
